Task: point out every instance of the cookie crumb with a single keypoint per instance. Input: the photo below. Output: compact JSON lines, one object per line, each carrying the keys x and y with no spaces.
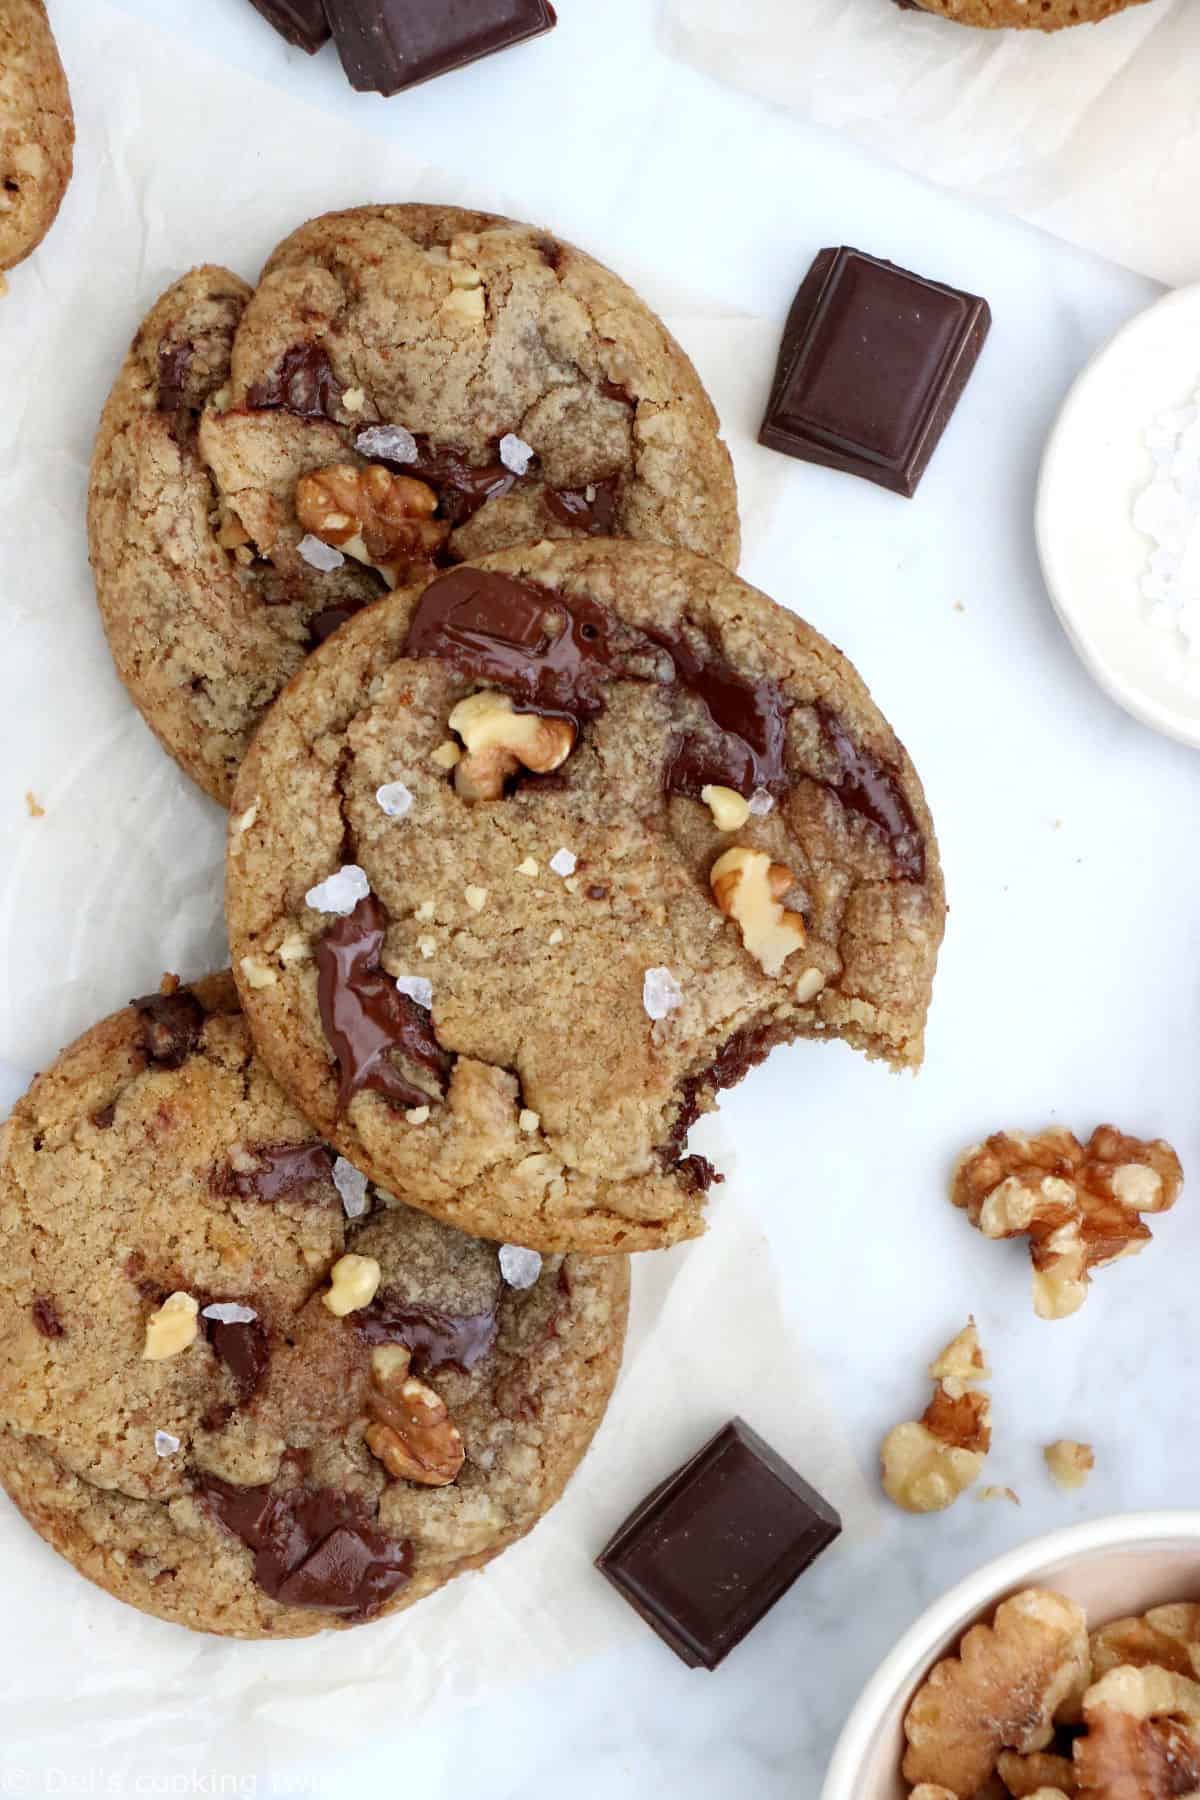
{"x":33,"y":806}
{"x":418,"y":988}
{"x":340,"y":892}
{"x":319,"y":555}
{"x":661,"y":993}
{"x":519,"y":1267}
{"x":391,"y":442}
{"x":394,"y":799}
{"x":351,"y":1184}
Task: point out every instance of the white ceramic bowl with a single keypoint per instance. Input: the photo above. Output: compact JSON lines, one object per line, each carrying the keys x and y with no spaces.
{"x":1092,"y":555}
{"x":1111,"y":1566}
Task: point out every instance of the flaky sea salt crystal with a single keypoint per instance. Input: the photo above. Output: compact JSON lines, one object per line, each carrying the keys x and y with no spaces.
{"x":760,"y":803}
{"x":563,"y":862}
{"x":165,"y":1444}
{"x":394,"y":798}
{"x":319,"y":555}
{"x":418,"y":988}
{"x":340,"y":892}
{"x":515,"y":453}
{"x":519,"y":1267}
{"x":661,"y":993}
{"x":228,"y":1312}
{"x":351,"y":1184}
{"x":1167,"y":511}
{"x":391,"y":442}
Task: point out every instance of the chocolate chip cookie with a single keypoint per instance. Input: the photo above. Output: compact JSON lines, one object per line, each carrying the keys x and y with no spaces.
{"x":37,"y":130}
{"x":532,"y":859}
{"x":240,"y":1388}
{"x":407,"y":387}
{"x":1035,"y":15}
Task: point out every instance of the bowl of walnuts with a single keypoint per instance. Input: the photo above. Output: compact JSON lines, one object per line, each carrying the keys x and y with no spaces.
{"x":1070,"y":1666}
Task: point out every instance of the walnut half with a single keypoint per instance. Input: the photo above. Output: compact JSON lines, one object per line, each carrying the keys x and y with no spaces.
{"x":928,"y":1463}
{"x":378,"y":518}
{"x":1143,"y":1736}
{"x":1002,"y":1691}
{"x":413,"y":1435}
{"x":1079,"y":1206}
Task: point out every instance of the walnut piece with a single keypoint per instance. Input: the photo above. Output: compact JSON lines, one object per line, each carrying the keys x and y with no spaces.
{"x":413,"y":1435}
{"x":1001,"y":1692}
{"x":1078,"y":1205}
{"x":1143,"y":1736}
{"x":1168,"y":1637}
{"x":928,"y":1463}
{"x":1069,"y":1463}
{"x":748,"y":886}
{"x":500,"y":740}
{"x":380,"y":519}
{"x":353,"y":1283}
{"x":1026,"y":1777}
{"x":729,"y":809}
{"x":172,"y":1328}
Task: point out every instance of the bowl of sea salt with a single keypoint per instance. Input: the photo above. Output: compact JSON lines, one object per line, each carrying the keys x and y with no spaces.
{"x":1118,"y":516}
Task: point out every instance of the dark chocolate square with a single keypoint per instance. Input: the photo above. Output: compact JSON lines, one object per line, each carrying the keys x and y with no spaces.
{"x":301,"y":22}
{"x":873,"y":362}
{"x":387,"y":45}
{"x":710,"y":1551}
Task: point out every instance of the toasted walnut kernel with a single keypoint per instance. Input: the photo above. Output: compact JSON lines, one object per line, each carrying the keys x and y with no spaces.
{"x":928,"y":1792}
{"x":447,"y":755}
{"x":1069,"y":1463}
{"x":1001,"y":1692}
{"x":528,"y":1120}
{"x":380,"y":519}
{"x":748,"y":886}
{"x":1143,"y":1736}
{"x":413,"y":1435}
{"x":418,"y":1115}
{"x":258,"y":973}
{"x":729,"y":810}
{"x":353,"y":1283}
{"x":1000,"y":1493}
{"x":809,"y":985}
{"x":500,"y":741}
{"x":928,"y":1463}
{"x":1079,"y":1206}
{"x":1026,"y":1777}
{"x":172,"y":1328}
{"x":1168,"y":1637}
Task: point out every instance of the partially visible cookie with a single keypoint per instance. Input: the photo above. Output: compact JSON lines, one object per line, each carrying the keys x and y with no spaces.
{"x":513,"y":387}
{"x":273,"y":1466}
{"x":37,"y":129}
{"x":694,"y":838}
{"x":1036,"y":15}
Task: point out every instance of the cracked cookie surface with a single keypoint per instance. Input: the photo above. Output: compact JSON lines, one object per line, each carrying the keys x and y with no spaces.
{"x":1031,"y":15}
{"x":228,"y":1485}
{"x":480,"y":338}
{"x":592,"y":981}
{"x":37,"y":129}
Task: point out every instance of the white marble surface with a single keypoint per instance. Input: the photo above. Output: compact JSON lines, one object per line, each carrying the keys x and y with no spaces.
{"x":1068,"y":987}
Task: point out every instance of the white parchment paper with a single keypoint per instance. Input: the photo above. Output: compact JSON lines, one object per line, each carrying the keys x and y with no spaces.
{"x":1092,"y":132}
{"x":110,"y":871}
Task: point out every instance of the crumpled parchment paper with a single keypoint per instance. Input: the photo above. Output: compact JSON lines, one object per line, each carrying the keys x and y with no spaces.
{"x":1092,"y":133}
{"x":111,"y":872}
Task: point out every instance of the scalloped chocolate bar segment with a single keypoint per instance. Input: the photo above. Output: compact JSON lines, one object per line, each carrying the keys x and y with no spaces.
{"x":873,"y":362}
{"x":705,"y":1556}
{"x":387,"y":45}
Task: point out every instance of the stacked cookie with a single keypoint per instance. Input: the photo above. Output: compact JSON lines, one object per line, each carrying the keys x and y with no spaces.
{"x":1022,"y":15}
{"x":544,"y":828}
